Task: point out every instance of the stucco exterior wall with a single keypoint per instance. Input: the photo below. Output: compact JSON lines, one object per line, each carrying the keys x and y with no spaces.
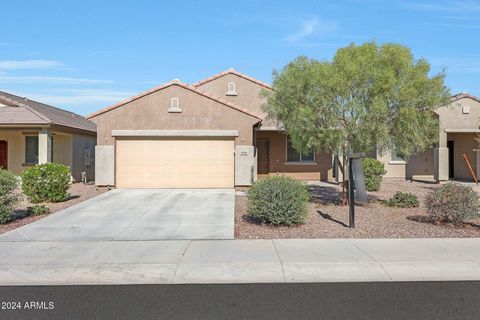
{"x":421,"y":165}
{"x":197,"y":113}
{"x":394,"y":169}
{"x":320,"y":170}
{"x":80,"y":143}
{"x":464,"y":143}
{"x":248,"y":92}
{"x":62,"y":149}
{"x":16,"y":149}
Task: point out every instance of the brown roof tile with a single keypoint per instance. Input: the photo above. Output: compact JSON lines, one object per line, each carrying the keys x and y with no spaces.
{"x":235,"y":72}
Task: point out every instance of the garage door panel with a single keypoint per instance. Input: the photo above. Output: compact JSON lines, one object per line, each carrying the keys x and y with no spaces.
{"x":175,"y":163}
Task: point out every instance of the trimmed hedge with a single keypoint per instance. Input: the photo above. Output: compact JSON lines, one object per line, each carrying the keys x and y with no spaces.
{"x":46,"y":182}
{"x":278,"y":200}
{"x":453,"y":202}
{"x":8,"y":197}
{"x":374,"y":171}
{"x":403,"y":200}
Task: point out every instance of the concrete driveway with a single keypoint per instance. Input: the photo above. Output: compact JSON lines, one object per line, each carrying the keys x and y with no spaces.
{"x":138,"y":214}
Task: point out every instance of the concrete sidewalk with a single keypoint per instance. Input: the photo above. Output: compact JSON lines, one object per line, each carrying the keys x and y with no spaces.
{"x":238,"y":261}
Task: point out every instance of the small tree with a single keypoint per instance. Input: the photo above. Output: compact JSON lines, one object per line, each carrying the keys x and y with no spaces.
{"x":367,"y":97}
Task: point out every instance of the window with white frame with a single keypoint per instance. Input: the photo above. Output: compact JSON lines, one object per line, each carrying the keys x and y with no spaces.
{"x":231,"y":88}
{"x":31,"y":149}
{"x":175,"y":105}
{"x":295,"y":156}
{"x":395,"y":157}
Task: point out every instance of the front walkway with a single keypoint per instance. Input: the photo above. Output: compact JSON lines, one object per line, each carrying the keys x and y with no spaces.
{"x":238,"y":261}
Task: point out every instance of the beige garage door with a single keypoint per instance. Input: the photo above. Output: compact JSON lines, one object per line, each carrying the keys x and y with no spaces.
{"x":174,"y":163}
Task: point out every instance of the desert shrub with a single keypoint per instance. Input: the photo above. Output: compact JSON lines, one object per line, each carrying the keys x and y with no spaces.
{"x":46,"y":182}
{"x":278,"y":200}
{"x":38,"y":210}
{"x":403,"y":200}
{"x":8,"y":196}
{"x":374,"y":171}
{"x":453,"y":203}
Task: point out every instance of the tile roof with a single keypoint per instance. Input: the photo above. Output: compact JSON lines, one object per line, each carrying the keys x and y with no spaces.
{"x":20,"y":110}
{"x":235,"y":72}
{"x":462,"y":95}
{"x":183,"y":85}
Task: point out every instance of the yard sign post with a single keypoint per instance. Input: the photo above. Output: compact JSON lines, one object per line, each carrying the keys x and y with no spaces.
{"x":351,"y":187}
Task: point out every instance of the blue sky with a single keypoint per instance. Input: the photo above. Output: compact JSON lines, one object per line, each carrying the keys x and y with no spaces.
{"x":85,"y":55}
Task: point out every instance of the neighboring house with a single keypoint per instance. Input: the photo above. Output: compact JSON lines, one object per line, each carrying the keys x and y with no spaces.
{"x":459,"y":125}
{"x":212,"y":134}
{"x":32,"y":132}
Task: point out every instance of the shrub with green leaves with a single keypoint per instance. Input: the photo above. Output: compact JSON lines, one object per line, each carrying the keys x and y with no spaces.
{"x":8,"y":197}
{"x":46,"y":182}
{"x":453,"y":202}
{"x":374,"y":171}
{"x":278,"y":200}
{"x":38,"y":210}
{"x":403,"y":200}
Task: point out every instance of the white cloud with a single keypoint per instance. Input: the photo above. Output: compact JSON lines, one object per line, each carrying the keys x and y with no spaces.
{"x":466,"y":6}
{"x":81,"y":97}
{"x":30,"y":64}
{"x":49,"y":79}
{"x":310,"y":27}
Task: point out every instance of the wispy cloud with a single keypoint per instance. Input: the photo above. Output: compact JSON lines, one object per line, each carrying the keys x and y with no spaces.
{"x":49,"y":79}
{"x":467,"y":6}
{"x":82,"y":97}
{"x":30,"y":64}
{"x":312,"y":26}
{"x":461,"y":65}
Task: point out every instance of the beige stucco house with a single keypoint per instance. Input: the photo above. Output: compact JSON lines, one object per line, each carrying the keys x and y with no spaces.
{"x":212,"y":134}
{"x":459,"y":125}
{"x":32,"y":132}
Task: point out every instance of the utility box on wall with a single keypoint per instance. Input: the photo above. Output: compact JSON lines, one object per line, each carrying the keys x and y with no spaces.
{"x":245,"y":165}
{"x":104,"y":165}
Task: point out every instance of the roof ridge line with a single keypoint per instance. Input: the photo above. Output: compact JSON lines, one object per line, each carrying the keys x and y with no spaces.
{"x":231,"y":71}
{"x":181,"y":84}
{"x":20,"y":104}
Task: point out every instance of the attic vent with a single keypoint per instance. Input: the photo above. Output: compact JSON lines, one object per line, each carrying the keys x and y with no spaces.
{"x":465,"y":109}
{"x":175,"y":105}
{"x":231,"y":89}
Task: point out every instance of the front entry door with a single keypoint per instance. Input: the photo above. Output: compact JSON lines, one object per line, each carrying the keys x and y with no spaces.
{"x":262,"y":156}
{"x":3,"y":154}
{"x":451,"y":153}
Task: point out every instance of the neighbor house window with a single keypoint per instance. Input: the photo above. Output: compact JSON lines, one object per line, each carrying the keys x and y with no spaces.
{"x":295,"y":156}
{"x":231,"y":90}
{"x":395,"y":157}
{"x":31,"y":149}
{"x":175,"y":105}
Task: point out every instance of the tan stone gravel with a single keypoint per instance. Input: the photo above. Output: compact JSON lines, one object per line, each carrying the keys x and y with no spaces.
{"x":78,"y":192}
{"x":375,"y":220}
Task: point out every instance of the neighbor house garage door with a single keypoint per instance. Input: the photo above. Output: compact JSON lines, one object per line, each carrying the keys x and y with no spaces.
{"x":174,"y":163}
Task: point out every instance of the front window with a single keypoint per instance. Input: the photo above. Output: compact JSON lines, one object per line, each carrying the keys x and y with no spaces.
{"x":395,"y":157}
{"x":31,"y":149}
{"x":295,"y":156}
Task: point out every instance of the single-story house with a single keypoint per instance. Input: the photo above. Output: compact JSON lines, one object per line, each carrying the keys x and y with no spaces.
{"x":33,"y":133}
{"x":459,"y":130}
{"x":212,"y":134}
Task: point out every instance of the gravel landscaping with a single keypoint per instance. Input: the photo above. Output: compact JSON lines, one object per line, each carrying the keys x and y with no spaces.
{"x":78,"y":192}
{"x":328,"y":219}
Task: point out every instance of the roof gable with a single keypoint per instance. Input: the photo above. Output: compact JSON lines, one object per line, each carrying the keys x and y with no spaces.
{"x":464,"y":95}
{"x":235,"y":72}
{"x":182,"y":85}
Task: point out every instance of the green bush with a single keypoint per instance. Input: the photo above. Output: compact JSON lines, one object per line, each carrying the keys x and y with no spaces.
{"x":403,"y":200}
{"x":46,"y":182}
{"x":453,"y":203}
{"x":8,"y":197}
{"x":38,"y":210}
{"x":374,"y":171}
{"x":278,"y":200}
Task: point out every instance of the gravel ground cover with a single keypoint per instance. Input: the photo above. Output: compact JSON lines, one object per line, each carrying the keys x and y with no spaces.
{"x":78,"y":192}
{"x":329,"y":219}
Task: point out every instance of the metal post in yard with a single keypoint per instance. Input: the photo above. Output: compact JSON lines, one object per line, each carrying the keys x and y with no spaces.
{"x":351,"y":195}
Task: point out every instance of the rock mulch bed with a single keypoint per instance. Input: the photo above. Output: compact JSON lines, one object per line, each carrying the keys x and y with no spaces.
{"x":328,"y":219}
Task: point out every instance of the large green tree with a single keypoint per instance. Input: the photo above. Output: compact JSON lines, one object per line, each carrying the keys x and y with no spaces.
{"x":369,"y":96}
